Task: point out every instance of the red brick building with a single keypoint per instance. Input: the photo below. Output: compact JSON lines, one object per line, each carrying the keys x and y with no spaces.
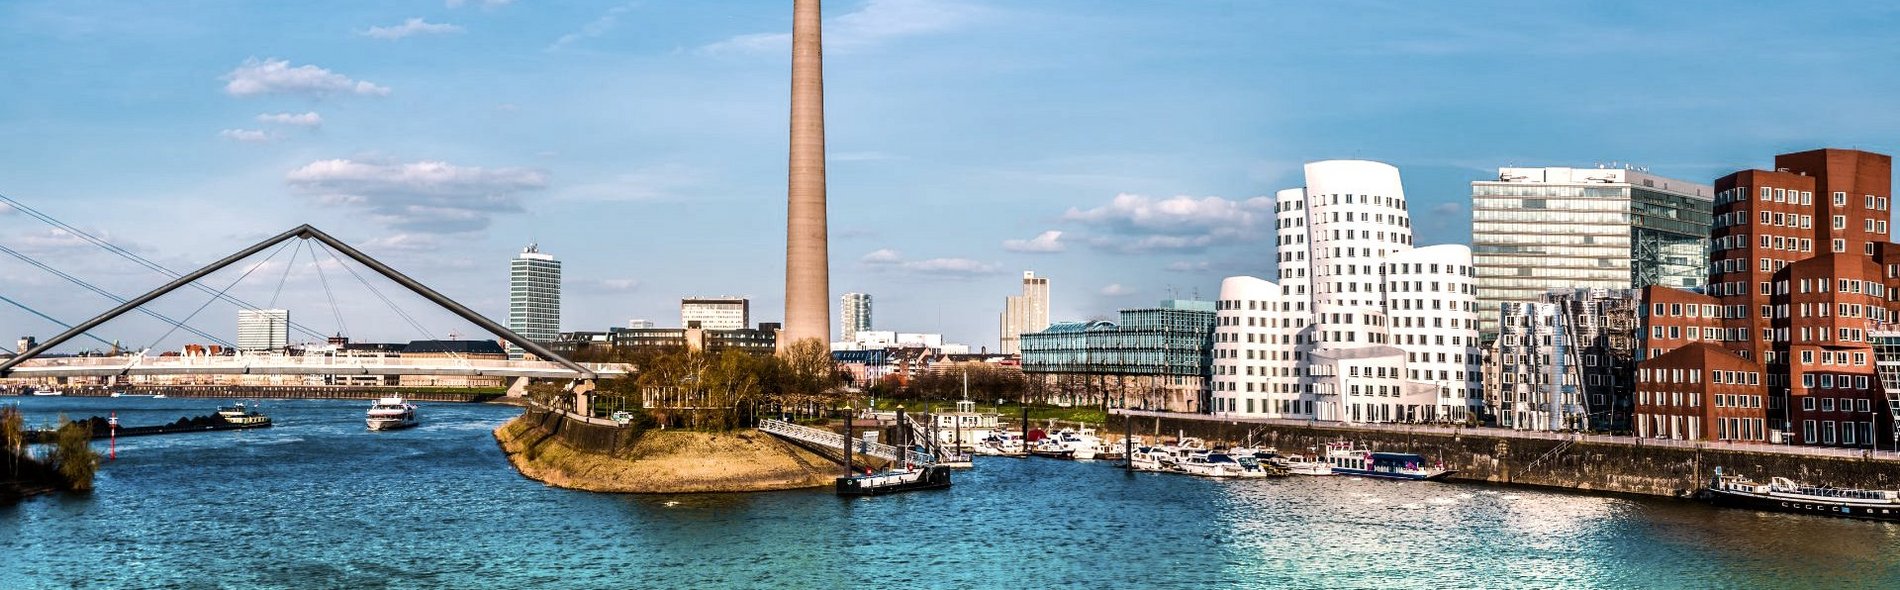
{"x":1801,"y":269}
{"x":1701,"y":391}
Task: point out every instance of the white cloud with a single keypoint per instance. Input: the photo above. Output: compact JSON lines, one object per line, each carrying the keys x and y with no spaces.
{"x":1116,"y":290}
{"x":1044,"y":242}
{"x":409,"y":28}
{"x":657,"y":182}
{"x":1138,"y":223}
{"x":599,"y":26}
{"x":887,"y":258}
{"x":1185,"y":266}
{"x":403,"y":242}
{"x":484,"y":3}
{"x":432,"y":197}
{"x":246,"y":135}
{"x":276,"y":76}
{"x":310,"y":119}
{"x":878,"y":21}
{"x":605,"y":285}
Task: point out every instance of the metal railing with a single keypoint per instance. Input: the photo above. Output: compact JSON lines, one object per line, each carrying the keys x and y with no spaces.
{"x":833,"y":440}
{"x":1752,"y":447}
{"x":185,"y":364}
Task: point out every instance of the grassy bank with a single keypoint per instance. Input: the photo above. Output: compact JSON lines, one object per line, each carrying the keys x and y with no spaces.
{"x":665,"y":462}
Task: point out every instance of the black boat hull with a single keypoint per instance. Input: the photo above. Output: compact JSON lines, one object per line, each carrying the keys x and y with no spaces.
{"x":1818,"y":508}
{"x":935,"y":477}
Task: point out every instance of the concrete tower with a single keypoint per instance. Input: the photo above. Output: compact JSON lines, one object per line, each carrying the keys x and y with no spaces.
{"x":807,"y":260}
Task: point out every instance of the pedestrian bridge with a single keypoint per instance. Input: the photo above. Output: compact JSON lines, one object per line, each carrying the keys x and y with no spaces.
{"x":832,"y":440}
{"x":138,"y":365}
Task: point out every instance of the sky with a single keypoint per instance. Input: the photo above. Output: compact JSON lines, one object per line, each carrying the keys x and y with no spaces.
{"x":1109,"y":145}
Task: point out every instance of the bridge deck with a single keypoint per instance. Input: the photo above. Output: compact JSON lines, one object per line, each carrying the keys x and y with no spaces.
{"x":292,"y":365}
{"x":833,"y":440}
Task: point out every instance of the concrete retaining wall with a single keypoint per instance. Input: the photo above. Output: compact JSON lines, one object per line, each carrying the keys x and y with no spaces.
{"x":1621,"y":468}
{"x":591,"y":438}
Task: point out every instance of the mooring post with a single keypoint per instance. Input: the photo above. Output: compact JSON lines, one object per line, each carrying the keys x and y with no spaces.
{"x":847,"y":441}
{"x":1128,"y":440}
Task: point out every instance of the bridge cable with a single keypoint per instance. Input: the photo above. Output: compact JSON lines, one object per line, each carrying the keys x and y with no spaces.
{"x":392,"y":304}
{"x":50,"y":319}
{"x":342,"y":328}
{"x":215,"y":298}
{"x":129,"y":255}
{"x":291,"y":264}
{"x":107,"y":294}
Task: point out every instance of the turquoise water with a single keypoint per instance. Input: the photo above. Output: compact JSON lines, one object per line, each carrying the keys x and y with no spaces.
{"x":320,"y":502}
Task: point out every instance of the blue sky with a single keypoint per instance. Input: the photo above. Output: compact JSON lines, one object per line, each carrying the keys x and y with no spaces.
{"x":643,"y":143}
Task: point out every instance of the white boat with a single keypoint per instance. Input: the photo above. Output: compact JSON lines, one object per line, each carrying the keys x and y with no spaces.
{"x":47,"y":392}
{"x":391,"y":413}
{"x":1000,"y":444}
{"x":1307,"y":465}
{"x":238,"y":414}
{"x":1151,"y":459}
{"x":1215,"y":465}
{"x":1082,"y":444}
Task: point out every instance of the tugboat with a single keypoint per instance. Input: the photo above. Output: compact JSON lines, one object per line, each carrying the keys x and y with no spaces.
{"x":391,"y":413}
{"x":1783,"y":495}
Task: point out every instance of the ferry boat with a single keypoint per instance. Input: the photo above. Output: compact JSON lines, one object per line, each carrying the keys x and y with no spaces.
{"x":242,"y":417}
{"x":1783,"y":495}
{"x":907,"y":479}
{"x":391,"y":413}
{"x":1345,"y":460}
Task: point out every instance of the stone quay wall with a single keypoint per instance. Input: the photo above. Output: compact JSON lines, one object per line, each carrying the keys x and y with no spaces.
{"x":582,"y":436}
{"x":1603,"y":464}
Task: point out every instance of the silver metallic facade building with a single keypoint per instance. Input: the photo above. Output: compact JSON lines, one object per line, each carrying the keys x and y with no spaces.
{"x":1534,"y":229}
{"x":534,"y":297}
{"x":263,"y":329}
{"x":854,"y":315}
{"x":1565,"y":362}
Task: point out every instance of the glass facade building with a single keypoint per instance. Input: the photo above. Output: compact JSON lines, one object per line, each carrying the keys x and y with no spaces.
{"x":1565,"y":362}
{"x":1535,"y":229}
{"x":1166,"y":348}
{"x":534,"y":297}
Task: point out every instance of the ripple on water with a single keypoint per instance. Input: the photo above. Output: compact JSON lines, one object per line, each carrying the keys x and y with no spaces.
{"x":321,"y":501}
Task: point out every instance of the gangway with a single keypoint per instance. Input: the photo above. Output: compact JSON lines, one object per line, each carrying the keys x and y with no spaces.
{"x":933,"y":442}
{"x":833,"y":440}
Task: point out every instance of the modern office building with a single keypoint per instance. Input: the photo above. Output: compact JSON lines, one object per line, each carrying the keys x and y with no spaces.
{"x":263,"y":329}
{"x":715,"y":313}
{"x":1153,"y":358}
{"x":1534,"y":229}
{"x":1024,"y":313}
{"x":639,"y":323}
{"x":1801,"y":275}
{"x":534,"y":297}
{"x":1361,"y":326}
{"x":854,"y":315}
{"x":1565,"y":362}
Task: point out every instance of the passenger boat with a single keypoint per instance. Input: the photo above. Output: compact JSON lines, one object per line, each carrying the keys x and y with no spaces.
{"x":1345,"y":460}
{"x":238,"y":415}
{"x":907,"y":479}
{"x":1783,"y":495}
{"x":391,"y":413}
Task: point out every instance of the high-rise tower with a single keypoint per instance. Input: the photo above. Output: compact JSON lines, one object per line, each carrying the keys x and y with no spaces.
{"x":807,"y":260}
{"x":855,"y":312}
{"x":534,"y":297}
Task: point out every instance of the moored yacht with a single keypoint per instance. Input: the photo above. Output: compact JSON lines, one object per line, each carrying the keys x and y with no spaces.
{"x":391,"y":413}
{"x":1783,"y":495}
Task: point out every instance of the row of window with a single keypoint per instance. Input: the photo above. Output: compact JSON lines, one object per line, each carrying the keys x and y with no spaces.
{"x":1828,"y":404}
{"x":1829,"y":381}
{"x":1848,"y":431}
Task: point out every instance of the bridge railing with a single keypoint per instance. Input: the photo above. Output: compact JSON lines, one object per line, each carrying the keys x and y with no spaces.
{"x":829,"y":439}
{"x":313,"y":362}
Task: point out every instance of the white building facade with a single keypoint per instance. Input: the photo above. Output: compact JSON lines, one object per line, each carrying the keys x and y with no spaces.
{"x":716,"y":313}
{"x":534,"y":297}
{"x":1361,"y":325}
{"x":263,"y":329}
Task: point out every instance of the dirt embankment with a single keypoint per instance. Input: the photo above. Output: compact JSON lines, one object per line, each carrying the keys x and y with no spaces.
{"x":665,"y":462}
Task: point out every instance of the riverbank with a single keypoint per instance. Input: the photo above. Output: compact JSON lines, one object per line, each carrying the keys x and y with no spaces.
{"x":548,"y":448}
{"x":1552,"y":460}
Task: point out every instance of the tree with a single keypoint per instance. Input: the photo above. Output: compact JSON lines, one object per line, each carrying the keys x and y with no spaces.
{"x":73,"y":456}
{"x":13,"y":438}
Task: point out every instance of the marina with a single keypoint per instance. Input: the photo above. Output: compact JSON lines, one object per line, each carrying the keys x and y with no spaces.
{"x":489,"y":526}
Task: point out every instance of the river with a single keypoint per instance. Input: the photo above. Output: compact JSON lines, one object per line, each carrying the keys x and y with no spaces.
{"x":320,"y":502}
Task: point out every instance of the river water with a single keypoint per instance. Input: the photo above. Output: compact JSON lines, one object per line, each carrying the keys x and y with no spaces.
{"x":320,"y":502}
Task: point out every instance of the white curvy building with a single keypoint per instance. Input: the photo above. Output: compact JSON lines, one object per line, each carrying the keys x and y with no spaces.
{"x":1362,"y":326}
